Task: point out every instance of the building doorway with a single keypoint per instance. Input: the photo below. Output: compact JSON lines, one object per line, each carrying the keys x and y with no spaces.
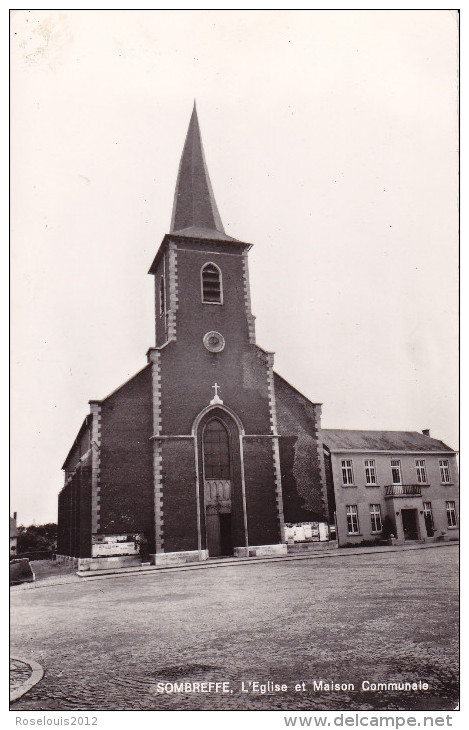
{"x":410,"y":524}
{"x":219,"y":535}
{"x":217,"y":488}
{"x":226,"y":541}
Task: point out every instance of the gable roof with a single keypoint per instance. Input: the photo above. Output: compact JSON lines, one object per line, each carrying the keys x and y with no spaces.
{"x":280,"y":381}
{"x":80,"y":433}
{"x":351,"y":440}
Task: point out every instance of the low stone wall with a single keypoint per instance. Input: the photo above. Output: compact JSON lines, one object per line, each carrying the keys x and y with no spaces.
{"x":66,"y":559}
{"x":187,"y":556}
{"x":309,"y":547}
{"x":114,"y":561}
{"x":257,"y":551}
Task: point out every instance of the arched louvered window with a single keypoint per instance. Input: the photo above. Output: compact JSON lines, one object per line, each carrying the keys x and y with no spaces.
{"x":212,"y":292}
{"x":216,"y":451}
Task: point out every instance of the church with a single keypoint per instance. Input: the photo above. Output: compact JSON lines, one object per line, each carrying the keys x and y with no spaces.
{"x":206,"y":451}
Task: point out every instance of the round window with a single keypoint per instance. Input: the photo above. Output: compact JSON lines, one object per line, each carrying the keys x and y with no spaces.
{"x":214,"y":341}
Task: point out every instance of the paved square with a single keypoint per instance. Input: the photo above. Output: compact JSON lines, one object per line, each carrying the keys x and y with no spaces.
{"x":384,"y":617}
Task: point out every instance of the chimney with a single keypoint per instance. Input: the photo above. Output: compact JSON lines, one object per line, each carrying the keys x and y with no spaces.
{"x":14,"y":515}
{"x":426,"y":431}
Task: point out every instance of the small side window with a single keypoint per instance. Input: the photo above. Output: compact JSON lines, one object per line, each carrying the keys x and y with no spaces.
{"x":451,"y":514}
{"x":396,"y":471}
{"x":375,"y":514}
{"x":370,"y":472}
{"x":421,"y":471}
{"x":162,"y":296}
{"x":445,"y":472}
{"x":212,"y":292}
{"x":351,"y":511}
{"x":347,"y":472}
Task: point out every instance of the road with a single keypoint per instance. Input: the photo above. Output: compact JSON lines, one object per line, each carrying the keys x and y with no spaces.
{"x":112,"y":644}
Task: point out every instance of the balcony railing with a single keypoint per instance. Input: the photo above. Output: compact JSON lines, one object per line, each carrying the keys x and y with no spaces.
{"x":403,"y":490}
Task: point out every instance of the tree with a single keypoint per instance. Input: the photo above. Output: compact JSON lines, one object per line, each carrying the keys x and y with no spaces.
{"x":37,"y":538}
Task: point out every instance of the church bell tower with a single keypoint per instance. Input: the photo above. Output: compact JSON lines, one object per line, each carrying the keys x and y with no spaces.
{"x":217,"y":481}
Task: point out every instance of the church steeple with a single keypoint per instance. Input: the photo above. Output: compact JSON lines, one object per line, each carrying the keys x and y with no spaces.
{"x":195,"y":211}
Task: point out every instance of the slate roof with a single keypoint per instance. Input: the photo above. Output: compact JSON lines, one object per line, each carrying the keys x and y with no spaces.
{"x":194,"y":202}
{"x":199,"y":232}
{"x":345,"y":439}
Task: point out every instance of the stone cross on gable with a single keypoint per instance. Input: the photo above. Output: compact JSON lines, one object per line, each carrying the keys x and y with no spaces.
{"x":216,"y":399}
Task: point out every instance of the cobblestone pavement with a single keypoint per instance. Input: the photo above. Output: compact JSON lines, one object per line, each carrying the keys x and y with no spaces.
{"x":388,"y":617}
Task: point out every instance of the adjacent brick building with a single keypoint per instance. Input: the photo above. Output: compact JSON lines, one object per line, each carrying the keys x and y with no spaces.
{"x":206,"y":451}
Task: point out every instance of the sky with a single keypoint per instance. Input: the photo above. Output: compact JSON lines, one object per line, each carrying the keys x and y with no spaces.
{"x":331,"y":139}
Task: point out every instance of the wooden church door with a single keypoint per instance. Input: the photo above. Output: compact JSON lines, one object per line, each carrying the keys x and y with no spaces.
{"x":217,"y":488}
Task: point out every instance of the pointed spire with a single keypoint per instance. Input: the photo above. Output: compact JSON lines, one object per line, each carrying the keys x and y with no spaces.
{"x":194,"y":203}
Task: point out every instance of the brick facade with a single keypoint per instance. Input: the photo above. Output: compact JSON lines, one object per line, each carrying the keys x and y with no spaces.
{"x":188,"y":371}
{"x":146,"y":442}
{"x":302,"y":465}
{"x":74,"y":532}
{"x":145,"y":462}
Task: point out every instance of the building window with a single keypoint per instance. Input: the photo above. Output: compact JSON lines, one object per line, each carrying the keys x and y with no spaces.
{"x":451,"y":514}
{"x":421,"y":471}
{"x":216,"y":451}
{"x":396,"y":471}
{"x":162,"y":296}
{"x":445,"y":472}
{"x":428,"y":517}
{"x":347,"y":471}
{"x":352,"y":519}
{"x":370,"y":472}
{"x":211,"y":284}
{"x":375,"y":514}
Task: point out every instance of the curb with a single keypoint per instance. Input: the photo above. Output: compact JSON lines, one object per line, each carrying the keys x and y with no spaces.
{"x":36,"y":676}
{"x":204,"y":565}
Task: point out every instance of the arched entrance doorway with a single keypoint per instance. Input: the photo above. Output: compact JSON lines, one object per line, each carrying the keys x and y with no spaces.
{"x":222,"y":503}
{"x":217,"y":487}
